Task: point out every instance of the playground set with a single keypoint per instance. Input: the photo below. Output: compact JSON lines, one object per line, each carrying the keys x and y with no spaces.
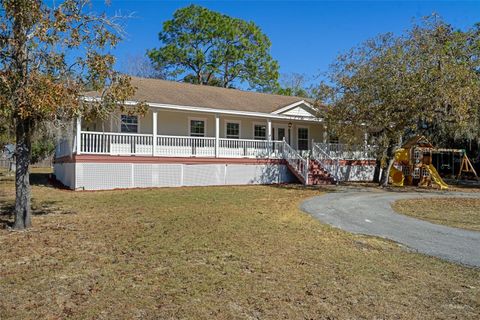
{"x":414,"y":164}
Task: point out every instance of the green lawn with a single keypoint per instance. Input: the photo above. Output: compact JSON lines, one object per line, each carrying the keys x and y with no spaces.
{"x":212,"y":253}
{"x":455,"y":212}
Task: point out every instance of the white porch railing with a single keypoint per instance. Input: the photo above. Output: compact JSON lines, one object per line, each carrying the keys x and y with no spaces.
{"x":346,"y":151}
{"x":296,"y":161}
{"x":116,"y":144}
{"x":242,"y":148}
{"x":176,"y":146}
{"x":331,"y":165}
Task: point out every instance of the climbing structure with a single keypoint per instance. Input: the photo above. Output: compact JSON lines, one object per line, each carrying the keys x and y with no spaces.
{"x":413,"y":165}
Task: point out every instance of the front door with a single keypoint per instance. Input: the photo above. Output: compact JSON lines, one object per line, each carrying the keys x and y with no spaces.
{"x":279,"y":132}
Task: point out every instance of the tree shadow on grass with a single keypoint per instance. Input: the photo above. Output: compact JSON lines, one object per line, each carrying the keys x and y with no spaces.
{"x":46,"y":180}
{"x":40,"y":179}
{"x":7,"y":209}
{"x":299,"y":186}
{"x":6,"y":213}
{"x":36,"y":178}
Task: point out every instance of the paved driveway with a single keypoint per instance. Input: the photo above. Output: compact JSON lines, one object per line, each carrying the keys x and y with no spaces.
{"x":369,"y":212}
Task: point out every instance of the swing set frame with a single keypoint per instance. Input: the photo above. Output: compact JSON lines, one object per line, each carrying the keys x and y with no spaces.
{"x":465,"y":166}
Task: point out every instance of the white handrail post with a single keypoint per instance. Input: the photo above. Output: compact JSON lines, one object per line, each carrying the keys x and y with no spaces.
{"x":217,"y":135}
{"x":307,"y":169}
{"x":337,"y":171}
{"x":269,"y":130}
{"x":154,"y":133}
{"x":79,"y":132}
{"x":269,"y":137}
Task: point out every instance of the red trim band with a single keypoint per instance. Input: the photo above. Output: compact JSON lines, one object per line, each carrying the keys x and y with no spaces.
{"x":92,"y":158}
{"x":89,"y":158}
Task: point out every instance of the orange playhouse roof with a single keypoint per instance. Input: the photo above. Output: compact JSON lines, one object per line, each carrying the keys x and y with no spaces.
{"x":419,"y":141}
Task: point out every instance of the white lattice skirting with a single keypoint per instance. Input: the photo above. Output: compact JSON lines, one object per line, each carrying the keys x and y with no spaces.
{"x":357,"y":173}
{"x":104,"y":176}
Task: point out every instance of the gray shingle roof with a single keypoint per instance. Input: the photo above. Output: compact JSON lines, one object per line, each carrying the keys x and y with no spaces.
{"x":185,"y":94}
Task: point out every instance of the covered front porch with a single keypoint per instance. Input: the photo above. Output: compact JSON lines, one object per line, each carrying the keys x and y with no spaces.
{"x":167,"y":133}
{"x":129,"y":144}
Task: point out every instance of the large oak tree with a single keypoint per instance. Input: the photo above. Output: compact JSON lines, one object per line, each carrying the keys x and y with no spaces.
{"x":209,"y":48}
{"x":425,"y":81}
{"x":50,"y":54}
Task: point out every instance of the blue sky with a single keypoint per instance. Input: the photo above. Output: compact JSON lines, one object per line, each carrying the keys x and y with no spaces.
{"x":306,"y":35}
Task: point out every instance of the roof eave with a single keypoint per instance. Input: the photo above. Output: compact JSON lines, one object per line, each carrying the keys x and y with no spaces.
{"x":232,"y":112}
{"x":218,"y":111}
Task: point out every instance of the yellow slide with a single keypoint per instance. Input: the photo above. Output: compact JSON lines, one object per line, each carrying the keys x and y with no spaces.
{"x":397,"y":177}
{"x":436,"y":177}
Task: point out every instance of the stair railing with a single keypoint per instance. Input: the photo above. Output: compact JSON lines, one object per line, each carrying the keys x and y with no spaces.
{"x":331,"y":165}
{"x":296,"y":161}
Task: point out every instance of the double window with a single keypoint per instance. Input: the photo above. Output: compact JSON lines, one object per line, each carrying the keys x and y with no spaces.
{"x":302,"y":138}
{"x":129,"y":124}
{"x":259,"y":132}
{"x":232,"y":130}
{"x":197,"y":128}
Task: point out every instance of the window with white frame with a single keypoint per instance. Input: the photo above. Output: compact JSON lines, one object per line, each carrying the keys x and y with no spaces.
{"x":232,"y":130}
{"x":129,"y":124}
{"x":302,"y":138}
{"x":417,"y":155}
{"x":197,"y":128}
{"x":416,"y":173}
{"x":425,"y":172}
{"x":259,"y":132}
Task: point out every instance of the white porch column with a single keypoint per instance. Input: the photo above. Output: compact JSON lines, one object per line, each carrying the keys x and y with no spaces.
{"x":154,"y":132}
{"x":78,"y":138}
{"x":217,"y":134}
{"x":269,"y":136}
{"x":269,"y":130}
{"x":325,"y":134}
{"x":365,"y":139}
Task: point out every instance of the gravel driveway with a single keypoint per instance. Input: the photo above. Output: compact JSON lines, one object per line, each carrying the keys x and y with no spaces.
{"x":368,"y":211}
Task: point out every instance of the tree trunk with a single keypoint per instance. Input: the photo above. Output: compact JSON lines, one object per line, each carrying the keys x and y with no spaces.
{"x":23,"y":126}
{"x":378,"y":170}
{"x":23,"y":217}
{"x":386,"y":172}
{"x":390,"y":159}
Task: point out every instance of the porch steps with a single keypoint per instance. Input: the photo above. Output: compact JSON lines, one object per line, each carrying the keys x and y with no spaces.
{"x":316,"y":174}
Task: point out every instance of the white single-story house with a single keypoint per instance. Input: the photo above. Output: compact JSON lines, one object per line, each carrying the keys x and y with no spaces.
{"x":200,"y":135}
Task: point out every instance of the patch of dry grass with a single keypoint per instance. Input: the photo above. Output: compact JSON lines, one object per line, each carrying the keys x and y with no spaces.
{"x":214,"y":253}
{"x":455,"y":212}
